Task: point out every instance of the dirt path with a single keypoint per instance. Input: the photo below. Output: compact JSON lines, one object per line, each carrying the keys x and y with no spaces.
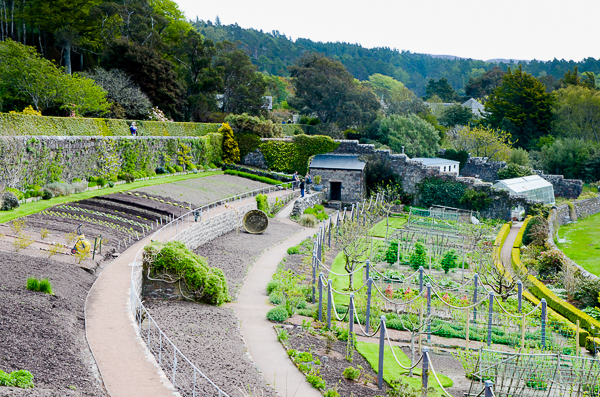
{"x":505,"y":253}
{"x":251,"y":309}
{"x":126,"y":365}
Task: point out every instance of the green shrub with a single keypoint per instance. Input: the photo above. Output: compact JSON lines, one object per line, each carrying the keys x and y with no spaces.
{"x":293,"y":156}
{"x":20,"y":378}
{"x":45,"y":286}
{"x":475,"y":200}
{"x":244,"y":123}
{"x":204,"y":283}
{"x":19,"y":194}
{"x":111,"y":184}
{"x":351,"y":373}
{"x":160,"y":170}
{"x":276,"y":298}
{"x":212,"y":166}
{"x":331,"y":393}
{"x":126,"y":176}
{"x":272,"y":285}
{"x":33,"y":284}
{"x":322,"y":216}
{"x":391,"y":254}
{"x":310,"y":211}
{"x":253,"y":177}
{"x":308,"y":220}
{"x":9,"y":201}
{"x":514,"y":171}
{"x":231,"y":151}
{"x":419,"y":256}
{"x":316,"y":381}
{"x":170,"y":169}
{"x":536,"y":231}
{"x":318,"y":207}
{"x":178,"y":168}
{"x":247,"y":143}
{"x":101,"y":182}
{"x":47,"y":194}
{"x":449,"y":260}
{"x":293,"y":250}
{"x":262,"y":203}
{"x":278,"y":314}
{"x":442,"y":192}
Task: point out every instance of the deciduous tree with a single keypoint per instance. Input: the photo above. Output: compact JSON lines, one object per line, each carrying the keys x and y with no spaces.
{"x":481,"y":141}
{"x":419,"y":138}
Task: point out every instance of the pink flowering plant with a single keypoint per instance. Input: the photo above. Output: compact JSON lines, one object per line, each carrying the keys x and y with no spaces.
{"x":550,"y":262}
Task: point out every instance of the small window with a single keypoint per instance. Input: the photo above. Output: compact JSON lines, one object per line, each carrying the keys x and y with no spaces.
{"x":455,"y":167}
{"x":444,"y":168}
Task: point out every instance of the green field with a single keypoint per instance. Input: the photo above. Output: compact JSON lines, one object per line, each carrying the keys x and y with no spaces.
{"x":583,"y":243}
{"x":37,"y":206}
{"x":391,"y":369}
{"x":396,"y":222}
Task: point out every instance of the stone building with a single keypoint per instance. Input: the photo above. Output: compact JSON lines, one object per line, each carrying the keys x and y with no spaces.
{"x":342,"y":175}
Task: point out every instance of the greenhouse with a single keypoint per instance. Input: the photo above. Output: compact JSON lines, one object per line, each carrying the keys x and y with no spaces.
{"x":533,"y":187}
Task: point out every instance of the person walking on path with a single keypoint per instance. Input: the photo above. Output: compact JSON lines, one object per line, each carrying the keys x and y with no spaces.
{"x":308,"y":180}
{"x":133,"y":129}
{"x":295,"y":180}
{"x":302,"y":187}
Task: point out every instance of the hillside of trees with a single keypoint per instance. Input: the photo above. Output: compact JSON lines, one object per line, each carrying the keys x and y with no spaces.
{"x":273,"y":52}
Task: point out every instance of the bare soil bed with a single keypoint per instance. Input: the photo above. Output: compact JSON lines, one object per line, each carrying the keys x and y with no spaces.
{"x":43,"y":333}
{"x":235,"y":252}
{"x":333,"y":363}
{"x":201,"y":191}
{"x":210,"y":338}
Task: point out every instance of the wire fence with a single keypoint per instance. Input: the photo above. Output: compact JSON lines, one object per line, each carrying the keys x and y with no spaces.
{"x":183,"y":374}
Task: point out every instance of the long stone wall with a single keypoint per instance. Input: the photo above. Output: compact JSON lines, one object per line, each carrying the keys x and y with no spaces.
{"x":28,"y":160}
{"x":413,"y":172}
{"x":480,"y":167}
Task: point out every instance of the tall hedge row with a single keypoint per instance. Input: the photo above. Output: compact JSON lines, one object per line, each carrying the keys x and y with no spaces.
{"x":18,"y":124}
{"x":286,"y":156}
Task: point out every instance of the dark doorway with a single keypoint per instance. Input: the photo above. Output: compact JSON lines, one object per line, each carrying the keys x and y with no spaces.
{"x":336,"y":191}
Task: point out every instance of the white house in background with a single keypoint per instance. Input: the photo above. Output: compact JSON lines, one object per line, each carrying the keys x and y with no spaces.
{"x":444,"y":165}
{"x":533,"y":187}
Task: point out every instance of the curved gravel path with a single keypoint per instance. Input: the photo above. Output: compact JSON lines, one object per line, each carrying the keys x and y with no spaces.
{"x":251,"y":309}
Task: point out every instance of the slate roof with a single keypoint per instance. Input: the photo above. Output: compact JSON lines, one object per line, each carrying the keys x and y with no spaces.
{"x":337,"y":162}
{"x":435,"y":161}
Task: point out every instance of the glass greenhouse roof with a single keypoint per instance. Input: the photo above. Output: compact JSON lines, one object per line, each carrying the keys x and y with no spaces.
{"x":533,"y":187}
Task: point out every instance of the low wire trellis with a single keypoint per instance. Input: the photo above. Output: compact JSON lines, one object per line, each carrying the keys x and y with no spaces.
{"x":536,"y":374}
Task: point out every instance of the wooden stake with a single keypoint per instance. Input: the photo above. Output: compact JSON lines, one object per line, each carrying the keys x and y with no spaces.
{"x":577,"y":339}
{"x":467,"y":331}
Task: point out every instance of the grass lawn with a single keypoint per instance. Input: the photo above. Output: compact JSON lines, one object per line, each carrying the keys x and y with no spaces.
{"x":37,"y":206}
{"x":396,"y":222}
{"x":341,"y":283}
{"x":391,"y":369}
{"x":583,"y":243}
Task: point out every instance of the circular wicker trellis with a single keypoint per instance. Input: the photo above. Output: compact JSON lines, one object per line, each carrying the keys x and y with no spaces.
{"x":256,"y":221}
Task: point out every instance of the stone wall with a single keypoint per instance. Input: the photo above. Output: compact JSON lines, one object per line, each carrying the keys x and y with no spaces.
{"x":553,"y":221}
{"x":353,"y":183}
{"x":307,"y":201}
{"x":583,"y":209}
{"x":255,"y":159}
{"x":201,"y":232}
{"x":413,"y":172}
{"x":480,"y":167}
{"x":28,"y":160}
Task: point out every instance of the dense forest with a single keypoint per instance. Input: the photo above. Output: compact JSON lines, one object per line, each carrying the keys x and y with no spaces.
{"x":273,"y":52}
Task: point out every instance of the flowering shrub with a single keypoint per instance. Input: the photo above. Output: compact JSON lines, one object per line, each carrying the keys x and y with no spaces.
{"x":550,"y":263}
{"x":156,"y":114}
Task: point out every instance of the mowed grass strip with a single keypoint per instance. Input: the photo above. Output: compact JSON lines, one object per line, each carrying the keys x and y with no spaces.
{"x":37,"y":206}
{"x":396,"y":222}
{"x":583,"y":243}
{"x":391,"y":369}
{"x":341,"y":283}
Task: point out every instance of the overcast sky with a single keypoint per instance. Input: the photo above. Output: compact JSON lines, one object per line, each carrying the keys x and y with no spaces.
{"x":479,"y":29}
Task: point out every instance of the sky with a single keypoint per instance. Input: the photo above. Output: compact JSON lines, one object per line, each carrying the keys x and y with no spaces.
{"x":478,"y":29}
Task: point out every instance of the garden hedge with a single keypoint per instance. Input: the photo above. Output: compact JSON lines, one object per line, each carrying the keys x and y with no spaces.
{"x":286,"y":156}
{"x":500,"y":239}
{"x":19,"y":124}
{"x":540,"y":291}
